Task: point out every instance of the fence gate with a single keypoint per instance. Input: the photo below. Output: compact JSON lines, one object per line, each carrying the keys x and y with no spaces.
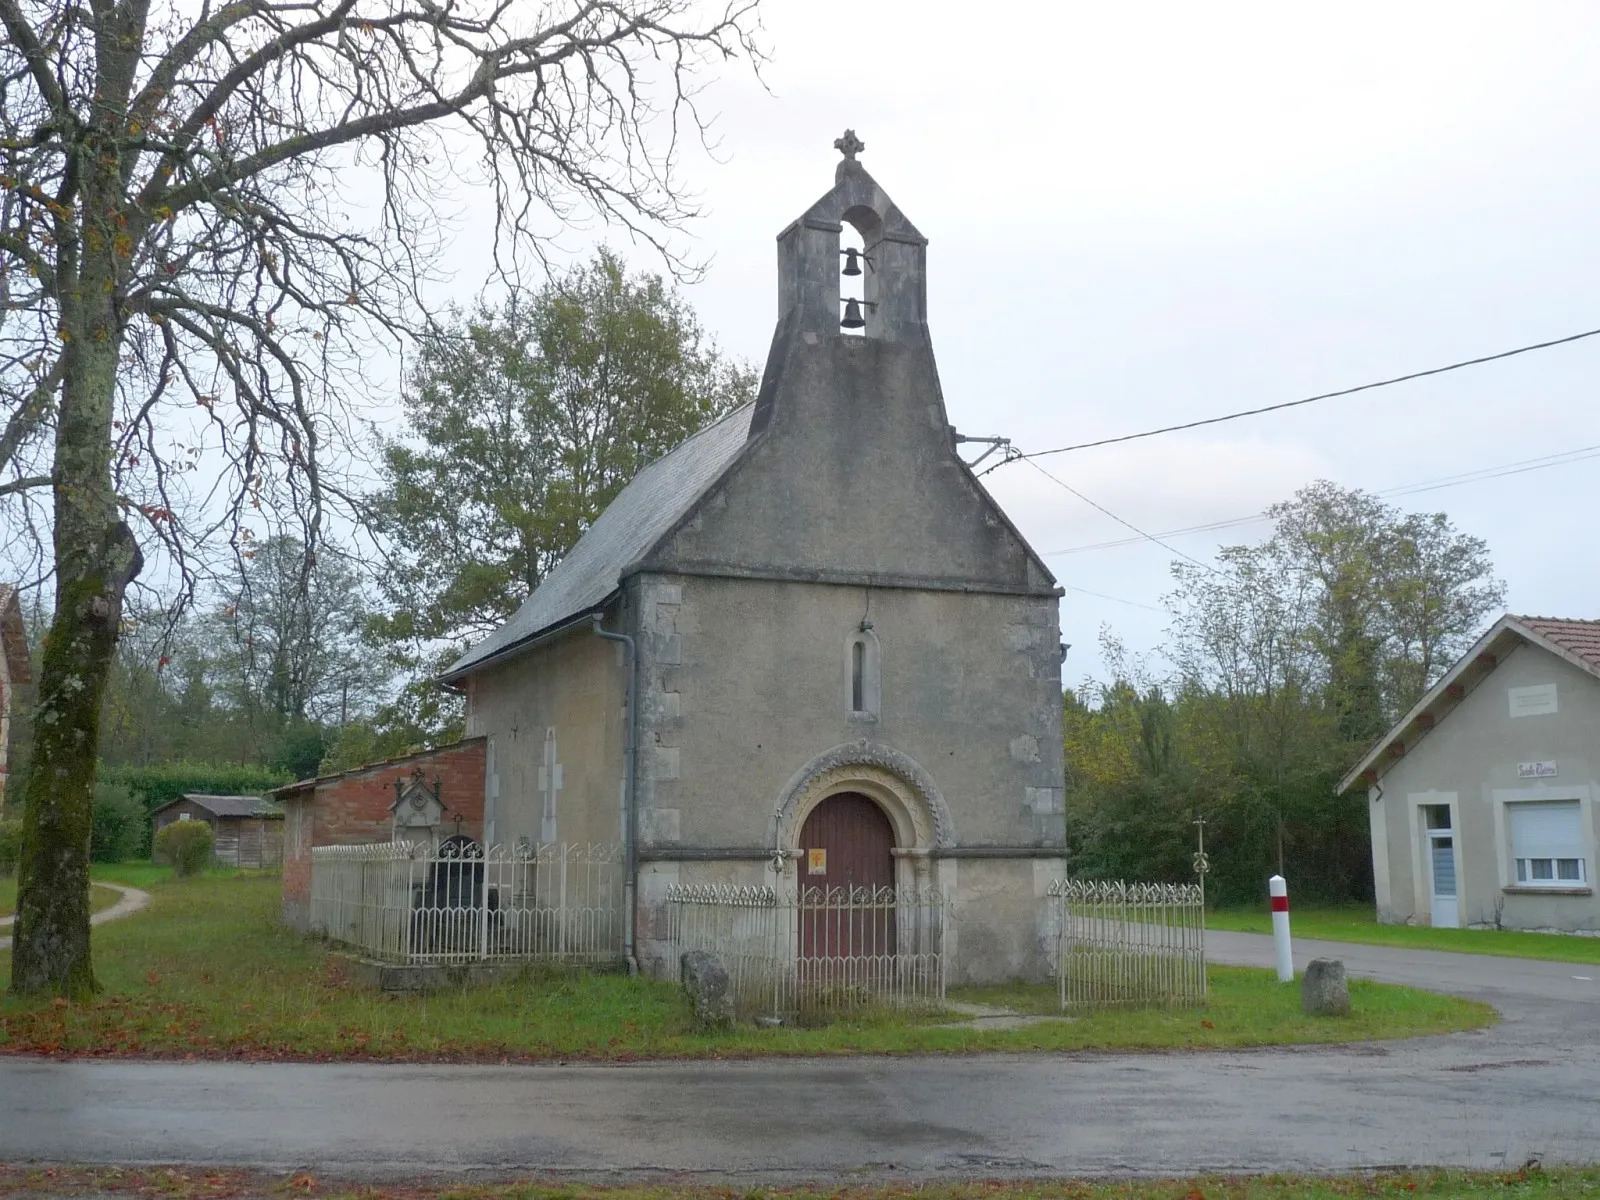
{"x":816,"y":949}
{"x":1129,"y":945}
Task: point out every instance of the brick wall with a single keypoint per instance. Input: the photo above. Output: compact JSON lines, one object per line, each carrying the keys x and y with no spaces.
{"x":352,"y":808}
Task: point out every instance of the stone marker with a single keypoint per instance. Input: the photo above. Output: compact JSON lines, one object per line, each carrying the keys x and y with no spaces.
{"x":1324,"y":992}
{"x":705,"y":980}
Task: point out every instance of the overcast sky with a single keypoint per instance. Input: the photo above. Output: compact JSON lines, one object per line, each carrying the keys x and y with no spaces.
{"x":1144,"y":214}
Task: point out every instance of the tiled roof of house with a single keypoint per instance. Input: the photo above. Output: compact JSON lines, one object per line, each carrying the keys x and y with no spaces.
{"x":1579,"y":638}
{"x":1577,"y":641}
{"x":643,"y":512}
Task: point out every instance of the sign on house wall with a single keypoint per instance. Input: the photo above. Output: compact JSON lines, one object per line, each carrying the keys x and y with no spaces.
{"x":1533,"y":701}
{"x":1536,"y":770}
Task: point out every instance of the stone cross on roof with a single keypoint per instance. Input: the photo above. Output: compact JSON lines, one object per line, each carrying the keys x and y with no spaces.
{"x":849,"y":145}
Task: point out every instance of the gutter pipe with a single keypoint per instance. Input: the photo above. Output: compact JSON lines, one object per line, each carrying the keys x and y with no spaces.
{"x":630,"y":802}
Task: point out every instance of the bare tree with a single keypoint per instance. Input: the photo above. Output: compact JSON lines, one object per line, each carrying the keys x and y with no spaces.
{"x":189,"y":276}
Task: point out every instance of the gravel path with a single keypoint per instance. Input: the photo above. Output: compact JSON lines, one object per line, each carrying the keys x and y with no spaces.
{"x":133,"y":899}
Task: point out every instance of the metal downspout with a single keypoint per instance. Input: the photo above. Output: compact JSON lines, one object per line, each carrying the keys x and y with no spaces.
{"x":630,"y":825}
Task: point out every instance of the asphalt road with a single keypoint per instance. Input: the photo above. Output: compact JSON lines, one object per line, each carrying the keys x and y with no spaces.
{"x":1525,"y":1088}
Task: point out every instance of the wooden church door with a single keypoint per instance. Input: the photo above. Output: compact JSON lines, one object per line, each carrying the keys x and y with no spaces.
{"x":845,"y":845}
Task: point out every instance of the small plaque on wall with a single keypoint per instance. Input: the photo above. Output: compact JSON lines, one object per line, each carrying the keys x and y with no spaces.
{"x":1534,"y":701}
{"x":817,"y":862}
{"x":1536,"y":770}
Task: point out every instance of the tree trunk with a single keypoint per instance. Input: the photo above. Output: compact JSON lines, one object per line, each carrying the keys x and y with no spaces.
{"x":96,"y":558}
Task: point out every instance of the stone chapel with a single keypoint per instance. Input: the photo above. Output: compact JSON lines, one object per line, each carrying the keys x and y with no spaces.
{"x":807,"y":628}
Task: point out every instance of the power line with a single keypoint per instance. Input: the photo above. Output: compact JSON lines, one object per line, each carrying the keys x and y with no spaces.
{"x":1129,"y":524}
{"x":1254,"y":412}
{"x":1480,"y":475}
{"x":1116,"y":599}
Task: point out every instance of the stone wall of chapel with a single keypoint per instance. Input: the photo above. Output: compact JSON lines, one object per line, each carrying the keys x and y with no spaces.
{"x":744,"y":682}
{"x":575,"y":686}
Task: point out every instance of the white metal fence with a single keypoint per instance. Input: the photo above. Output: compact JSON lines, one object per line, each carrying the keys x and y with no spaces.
{"x":414,"y":903}
{"x":1129,"y":945}
{"x":816,"y":950}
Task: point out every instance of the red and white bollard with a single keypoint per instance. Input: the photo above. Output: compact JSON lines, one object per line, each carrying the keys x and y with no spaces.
{"x":1279,"y":891}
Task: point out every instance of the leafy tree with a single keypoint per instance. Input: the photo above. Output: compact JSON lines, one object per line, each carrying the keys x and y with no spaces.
{"x":1288,"y":660}
{"x":522,"y":423}
{"x":286,"y":641}
{"x":187,"y":284}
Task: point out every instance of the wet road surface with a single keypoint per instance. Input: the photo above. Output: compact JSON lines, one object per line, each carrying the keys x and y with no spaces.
{"x":1525,"y":1088}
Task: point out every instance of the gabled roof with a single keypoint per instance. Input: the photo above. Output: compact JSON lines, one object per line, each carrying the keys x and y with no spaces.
{"x":643,"y":512}
{"x":14,"y":637}
{"x":228,"y":806}
{"x":1577,"y":642}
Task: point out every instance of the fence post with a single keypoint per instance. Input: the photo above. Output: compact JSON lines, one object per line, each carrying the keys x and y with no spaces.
{"x":561,"y":904}
{"x":1279,"y":891}
{"x":483,"y":909}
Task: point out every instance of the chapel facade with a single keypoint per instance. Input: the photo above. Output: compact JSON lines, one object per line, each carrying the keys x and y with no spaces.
{"x":807,"y":628}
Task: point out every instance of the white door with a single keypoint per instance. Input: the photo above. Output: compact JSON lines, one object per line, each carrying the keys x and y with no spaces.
{"x":1442,"y":860}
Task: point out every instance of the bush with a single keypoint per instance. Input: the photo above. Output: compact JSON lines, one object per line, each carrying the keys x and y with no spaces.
{"x":118,"y":832}
{"x":10,"y":847}
{"x":186,"y":846}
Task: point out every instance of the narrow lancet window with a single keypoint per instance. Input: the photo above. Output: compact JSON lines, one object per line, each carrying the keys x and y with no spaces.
{"x":861,"y":661}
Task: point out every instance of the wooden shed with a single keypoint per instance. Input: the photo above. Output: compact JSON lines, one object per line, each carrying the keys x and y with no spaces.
{"x":248,"y":829}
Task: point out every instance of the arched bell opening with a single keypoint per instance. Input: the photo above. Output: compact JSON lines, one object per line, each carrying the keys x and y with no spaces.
{"x":853,"y":268}
{"x":860,"y":232}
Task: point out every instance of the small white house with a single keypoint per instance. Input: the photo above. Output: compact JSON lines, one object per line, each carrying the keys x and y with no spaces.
{"x":1483,"y":797}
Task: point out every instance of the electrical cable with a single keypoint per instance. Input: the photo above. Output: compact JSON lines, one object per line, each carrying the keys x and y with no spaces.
{"x":1129,"y":524}
{"x":1117,"y":599}
{"x":1480,"y":475}
{"x":1350,"y":391}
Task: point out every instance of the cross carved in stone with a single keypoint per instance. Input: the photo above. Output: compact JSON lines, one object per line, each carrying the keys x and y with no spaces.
{"x":550,"y":784}
{"x":849,"y":145}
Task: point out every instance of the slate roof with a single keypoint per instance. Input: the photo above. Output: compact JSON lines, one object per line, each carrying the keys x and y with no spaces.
{"x":229,"y":806}
{"x":1576,"y":641}
{"x":642,"y":514}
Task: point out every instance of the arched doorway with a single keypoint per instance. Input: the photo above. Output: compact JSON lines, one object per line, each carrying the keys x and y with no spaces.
{"x":846,"y":858}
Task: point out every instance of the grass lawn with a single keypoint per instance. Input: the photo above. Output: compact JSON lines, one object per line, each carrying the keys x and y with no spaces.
{"x":208,"y":1184}
{"x":207,"y":970}
{"x":1357,"y":923}
{"x":99,"y":898}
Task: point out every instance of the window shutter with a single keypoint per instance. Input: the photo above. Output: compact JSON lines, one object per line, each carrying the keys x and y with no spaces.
{"x":1546,"y":830}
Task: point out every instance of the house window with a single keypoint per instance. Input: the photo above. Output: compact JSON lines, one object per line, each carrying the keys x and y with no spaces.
{"x":865,"y":675}
{"x":1547,"y":844}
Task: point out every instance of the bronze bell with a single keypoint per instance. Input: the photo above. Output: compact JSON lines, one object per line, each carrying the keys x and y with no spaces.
{"x":852,"y":262}
{"x":852,"y":315}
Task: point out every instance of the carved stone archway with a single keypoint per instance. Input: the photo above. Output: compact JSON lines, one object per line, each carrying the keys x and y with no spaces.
{"x":900,"y":787}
